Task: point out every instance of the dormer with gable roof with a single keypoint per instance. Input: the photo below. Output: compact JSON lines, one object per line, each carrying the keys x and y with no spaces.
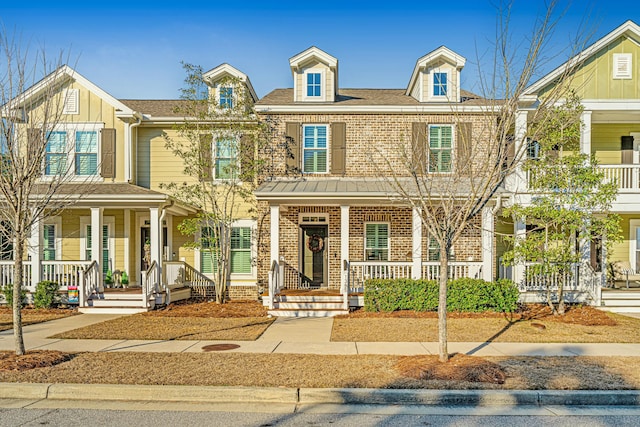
{"x":315,"y":76}
{"x":226,"y":93}
{"x":436,"y":77}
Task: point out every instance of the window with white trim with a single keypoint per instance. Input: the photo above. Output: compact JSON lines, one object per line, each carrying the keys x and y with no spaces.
{"x":241,"y":251}
{"x":6,"y":241}
{"x":226,"y":97}
{"x":440,"y":148}
{"x":376,"y":242}
{"x":73,"y":149}
{"x":105,"y":246}
{"x":49,"y":242}
{"x":440,"y":84}
{"x":226,"y":158}
{"x":314,"y":149}
{"x":314,"y":84}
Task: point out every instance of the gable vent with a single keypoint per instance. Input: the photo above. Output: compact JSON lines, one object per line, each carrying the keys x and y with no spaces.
{"x":621,"y":65}
{"x":70,"y":102}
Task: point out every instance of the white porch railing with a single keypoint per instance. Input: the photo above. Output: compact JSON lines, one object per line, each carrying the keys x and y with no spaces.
{"x":150,"y":279}
{"x":359,"y":271}
{"x":626,"y":176}
{"x":578,"y":278}
{"x":65,"y":273}
{"x":181,"y":273}
{"x":90,"y":283}
{"x":6,"y":273}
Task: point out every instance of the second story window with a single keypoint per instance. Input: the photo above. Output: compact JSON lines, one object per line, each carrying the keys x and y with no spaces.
{"x":56,"y":153}
{"x":226,"y":97}
{"x":226,"y":155}
{"x":439,"y":84}
{"x":440,"y":148}
{"x":86,"y":155}
{"x":314,"y":151}
{"x":314,"y":85}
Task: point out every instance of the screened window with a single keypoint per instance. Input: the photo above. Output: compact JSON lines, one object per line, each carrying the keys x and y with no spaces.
{"x":315,"y":149}
{"x":314,"y":84}
{"x":105,"y":247}
{"x":56,"y":153}
{"x":440,"y":148}
{"x":376,"y":245}
{"x":439,"y":84}
{"x":86,"y":153}
{"x":226,"y":97}
{"x":241,"y":250}
{"x":226,"y":158}
{"x":49,"y":237}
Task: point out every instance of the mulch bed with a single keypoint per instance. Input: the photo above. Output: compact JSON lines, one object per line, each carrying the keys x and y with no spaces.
{"x":9,"y":361}
{"x":231,"y":309}
{"x":575,"y":314}
{"x":460,"y":367}
{"x":31,"y":315}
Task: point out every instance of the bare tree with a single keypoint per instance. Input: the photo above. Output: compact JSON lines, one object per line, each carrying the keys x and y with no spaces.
{"x":451,"y":192}
{"x":218,"y":141}
{"x":34,"y":165}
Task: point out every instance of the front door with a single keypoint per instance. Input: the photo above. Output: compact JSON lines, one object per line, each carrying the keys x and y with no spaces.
{"x":314,"y":271}
{"x":145,"y":246}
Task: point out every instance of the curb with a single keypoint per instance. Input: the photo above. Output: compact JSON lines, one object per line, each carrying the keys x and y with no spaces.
{"x":210,"y":394}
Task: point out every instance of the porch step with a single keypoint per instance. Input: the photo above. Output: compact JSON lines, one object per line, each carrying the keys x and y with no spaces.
{"x":310,"y":298}
{"x":306,"y":313}
{"x":112,"y":310}
{"x":328,"y":305}
{"x":621,"y":301}
{"x":116,"y":302}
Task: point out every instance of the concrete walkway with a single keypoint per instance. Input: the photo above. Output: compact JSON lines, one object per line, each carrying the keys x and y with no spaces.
{"x":296,"y":335}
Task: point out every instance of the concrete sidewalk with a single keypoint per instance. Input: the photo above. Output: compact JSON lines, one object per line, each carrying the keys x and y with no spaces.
{"x":297,"y":335}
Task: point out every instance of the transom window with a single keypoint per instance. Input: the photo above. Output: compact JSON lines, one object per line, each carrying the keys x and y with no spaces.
{"x":314,"y":86}
{"x":376,"y":242}
{"x":226,"y":97}
{"x":226,"y":155}
{"x":440,"y":148}
{"x":439,"y":84}
{"x":315,"y":149}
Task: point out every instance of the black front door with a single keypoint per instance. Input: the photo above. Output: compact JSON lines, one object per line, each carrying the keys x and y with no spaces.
{"x":314,"y":271}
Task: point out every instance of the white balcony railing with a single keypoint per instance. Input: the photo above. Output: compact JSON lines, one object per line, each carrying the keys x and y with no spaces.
{"x":626,"y":176}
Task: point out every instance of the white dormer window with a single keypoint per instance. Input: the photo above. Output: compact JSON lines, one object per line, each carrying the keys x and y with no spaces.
{"x":226,"y":97}
{"x":440,"y":84}
{"x":622,"y":66}
{"x":71,"y":102}
{"x":313,"y":85}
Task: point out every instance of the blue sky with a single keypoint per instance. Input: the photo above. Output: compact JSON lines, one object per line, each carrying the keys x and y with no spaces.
{"x":134,"y":49}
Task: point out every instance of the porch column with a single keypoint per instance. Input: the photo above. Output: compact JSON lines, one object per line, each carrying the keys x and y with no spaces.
{"x":154,"y":225}
{"x":487,"y":243}
{"x":344,"y":242}
{"x":518,"y":181}
{"x":96,"y":241}
{"x":416,"y":239}
{"x":585,"y":133}
{"x":520,"y":233}
{"x":275,"y":234}
{"x":35,"y":253}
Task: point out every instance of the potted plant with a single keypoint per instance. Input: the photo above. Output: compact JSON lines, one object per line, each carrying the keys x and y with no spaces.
{"x":124,"y":279}
{"x":108,"y":279}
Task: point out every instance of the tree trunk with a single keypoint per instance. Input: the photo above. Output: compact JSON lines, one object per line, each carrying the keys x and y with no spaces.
{"x":443,"y":350}
{"x":17,"y":294}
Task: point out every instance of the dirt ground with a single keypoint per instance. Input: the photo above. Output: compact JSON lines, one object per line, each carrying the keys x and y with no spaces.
{"x":533,"y":324}
{"x":297,"y":370}
{"x":32,"y":315}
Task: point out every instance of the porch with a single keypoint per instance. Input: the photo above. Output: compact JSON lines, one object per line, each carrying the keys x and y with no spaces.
{"x":82,"y":283}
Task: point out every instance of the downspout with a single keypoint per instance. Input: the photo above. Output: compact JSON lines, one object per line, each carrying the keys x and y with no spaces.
{"x":129,"y":145}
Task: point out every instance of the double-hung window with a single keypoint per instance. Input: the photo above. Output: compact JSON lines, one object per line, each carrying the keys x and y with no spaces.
{"x":226,"y":158}
{"x":439,"y":84}
{"x":241,"y":250}
{"x":314,"y":85}
{"x":226,"y":97}
{"x":440,"y":148}
{"x":314,"y":149}
{"x":376,"y":242}
{"x":86,"y":153}
{"x":105,"y":246}
{"x":56,"y":153}
{"x":208,"y":251}
{"x":49,"y":247}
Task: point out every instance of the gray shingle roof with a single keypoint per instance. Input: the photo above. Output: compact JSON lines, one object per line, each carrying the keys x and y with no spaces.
{"x":155,"y":107}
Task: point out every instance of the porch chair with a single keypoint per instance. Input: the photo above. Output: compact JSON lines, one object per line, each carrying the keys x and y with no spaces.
{"x":624,"y":272}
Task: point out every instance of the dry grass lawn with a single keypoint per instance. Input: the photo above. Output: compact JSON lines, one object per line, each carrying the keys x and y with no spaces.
{"x":236,"y":321}
{"x":32,"y":315}
{"x":534,"y":325}
{"x":296,"y":370}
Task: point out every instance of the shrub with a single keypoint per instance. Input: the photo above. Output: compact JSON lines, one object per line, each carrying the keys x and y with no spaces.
{"x":470,"y":295}
{"x":7,"y":291}
{"x":46,"y":295}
